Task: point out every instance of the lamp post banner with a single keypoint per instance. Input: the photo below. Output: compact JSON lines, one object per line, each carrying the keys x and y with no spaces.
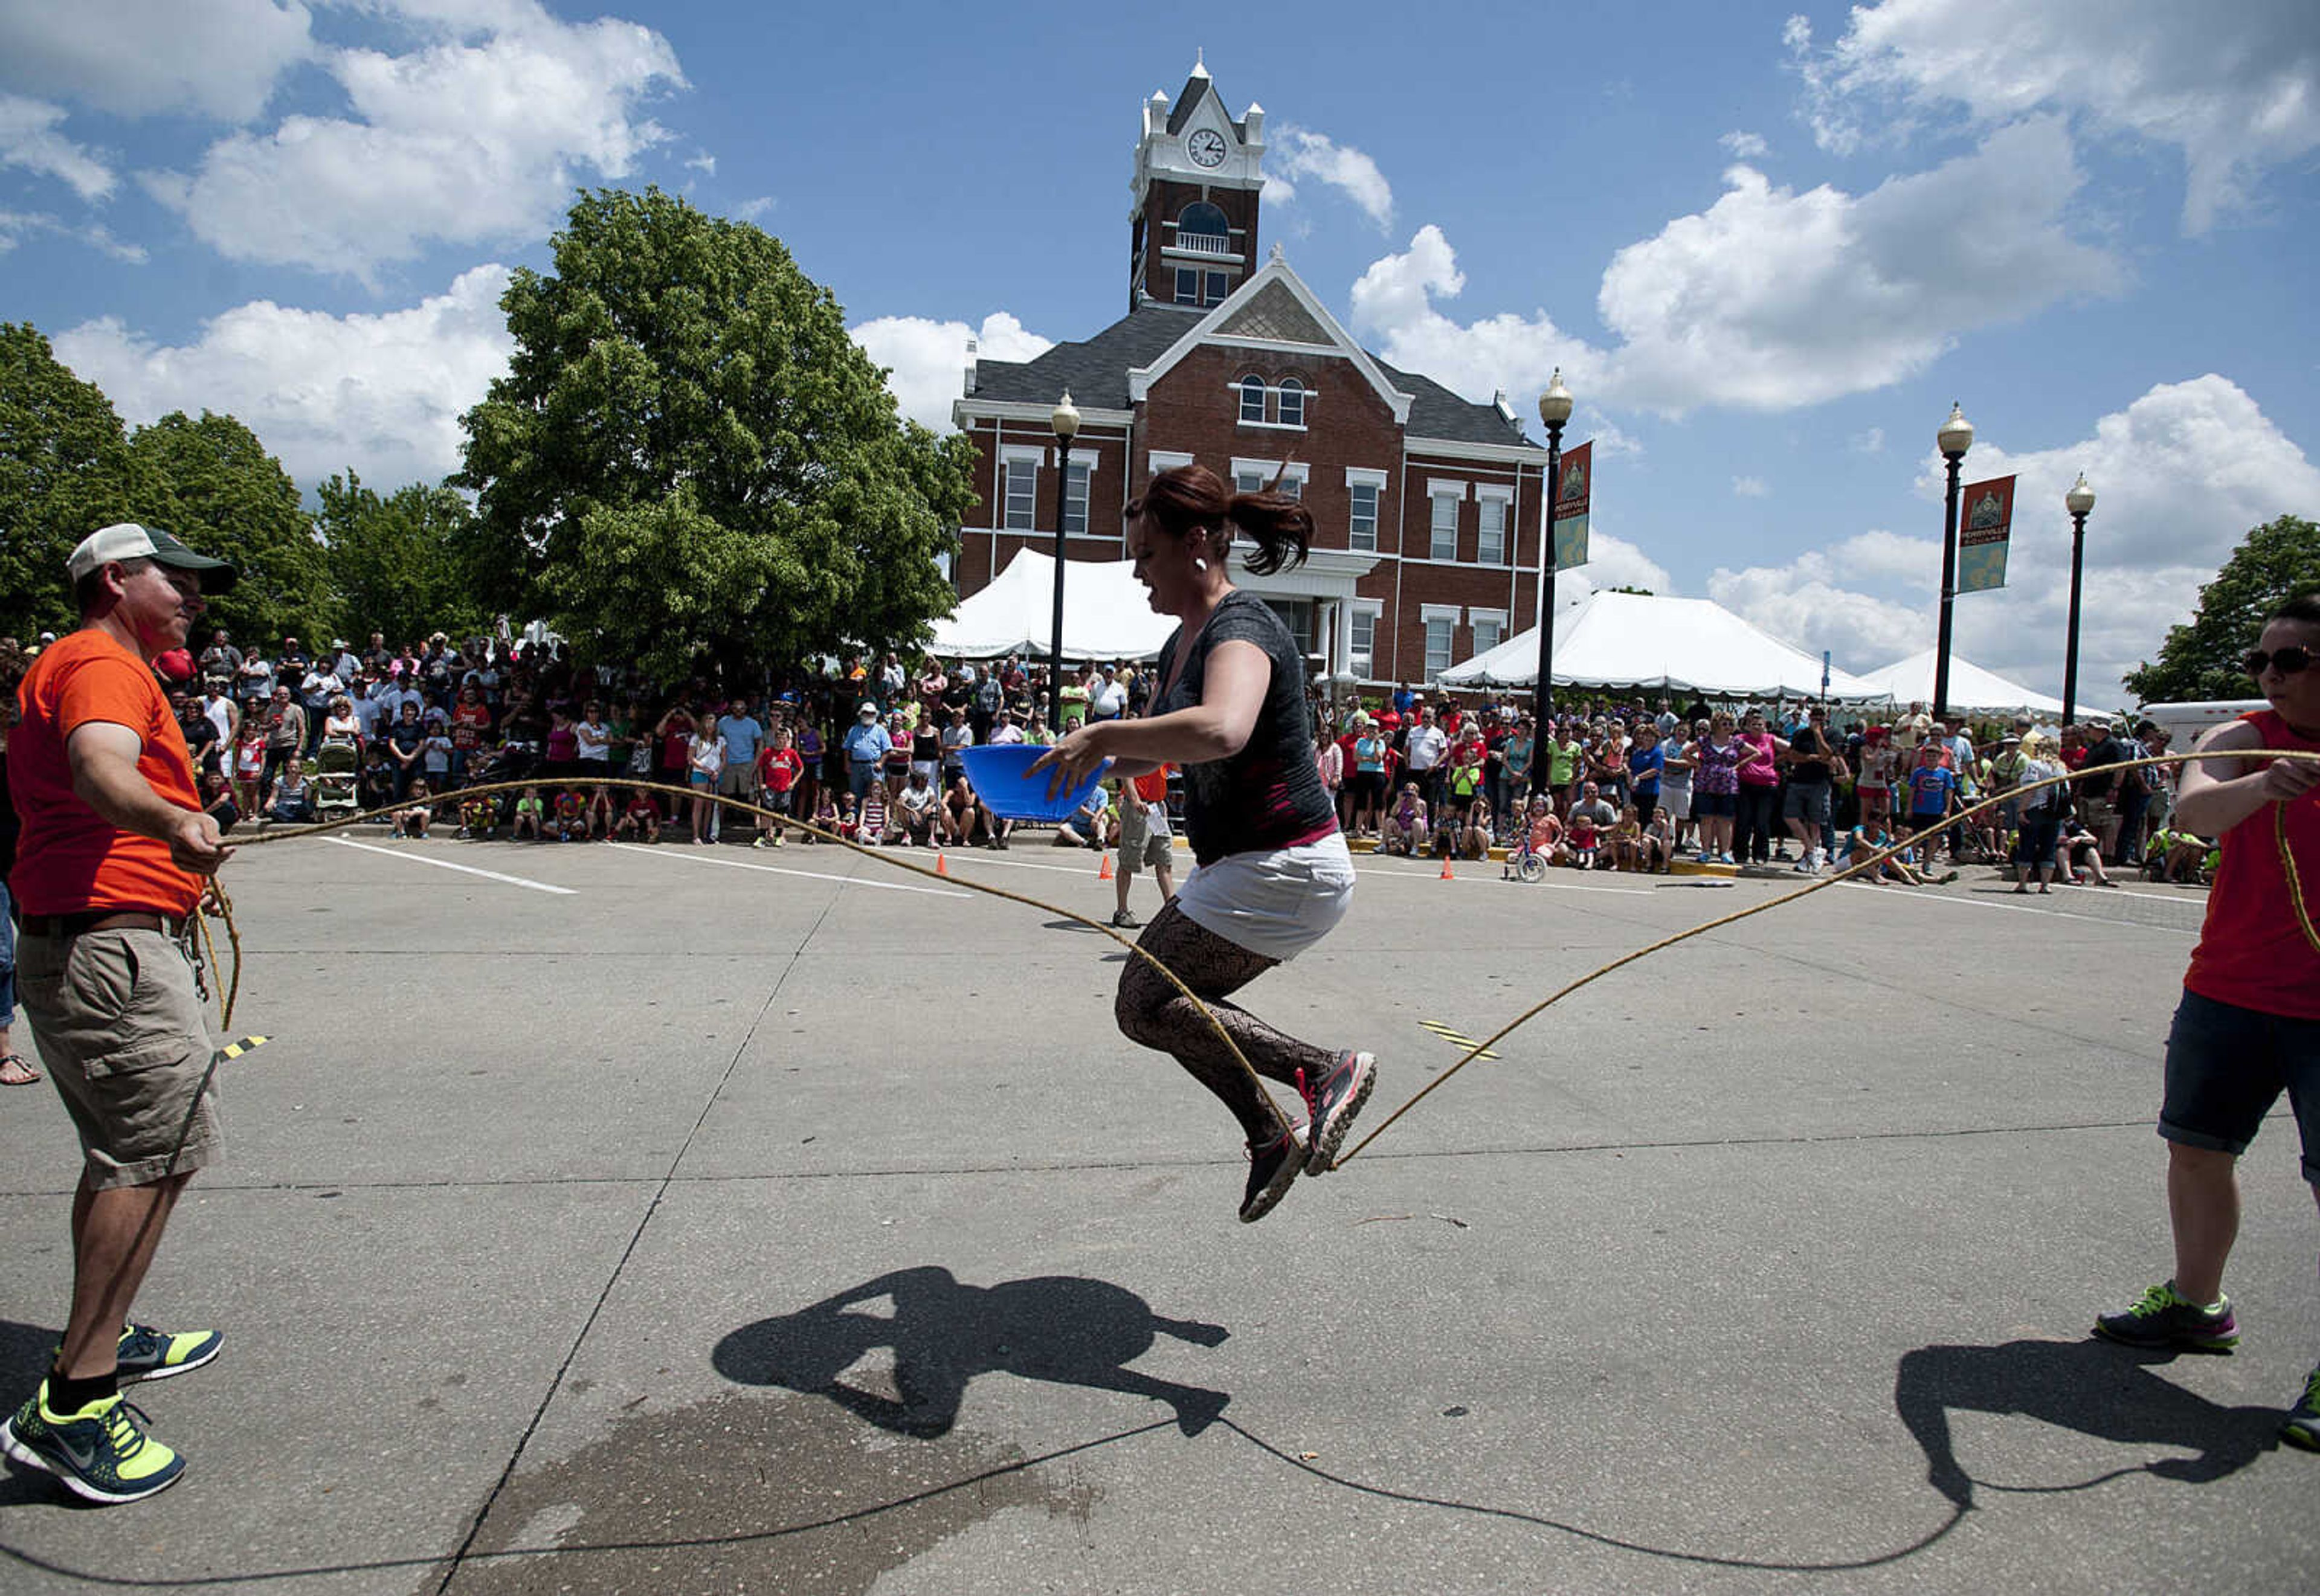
{"x":1982,"y":540}
{"x":1570,"y":499}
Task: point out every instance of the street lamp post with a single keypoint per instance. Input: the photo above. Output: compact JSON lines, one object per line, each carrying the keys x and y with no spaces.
{"x":2081,"y":503}
{"x":1066,"y":422}
{"x":1553,"y":410}
{"x":1954,"y":438}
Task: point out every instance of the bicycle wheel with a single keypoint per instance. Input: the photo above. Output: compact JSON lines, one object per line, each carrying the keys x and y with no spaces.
{"x":1532,"y":869}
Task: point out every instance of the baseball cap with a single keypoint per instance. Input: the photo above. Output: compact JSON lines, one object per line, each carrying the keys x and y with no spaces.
{"x":126,"y":539}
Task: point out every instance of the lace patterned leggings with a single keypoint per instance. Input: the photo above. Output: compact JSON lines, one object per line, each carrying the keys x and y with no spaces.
{"x":1153,"y":1013}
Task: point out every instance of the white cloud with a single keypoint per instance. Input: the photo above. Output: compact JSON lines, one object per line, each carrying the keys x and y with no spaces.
{"x":702,"y":162}
{"x":2181,"y":475}
{"x":1771,"y":298}
{"x":15,"y":224}
{"x":1749,"y":487}
{"x":1871,"y":442}
{"x":473,"y":137}
{"x":1611,"y":562}
{"x":140,"y":57}
{"x":1746,"y":146}
{"x":1297,"y":152}
{"x":1393,"y":302}
{"x":29,"y":138}
{"x":2237,"y":91}
{"x":755,"y":210}
{"x":925,"y":359}
{"x":382,"y":393}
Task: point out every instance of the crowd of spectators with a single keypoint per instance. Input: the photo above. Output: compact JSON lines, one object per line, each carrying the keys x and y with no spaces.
{"x":870,"y":750}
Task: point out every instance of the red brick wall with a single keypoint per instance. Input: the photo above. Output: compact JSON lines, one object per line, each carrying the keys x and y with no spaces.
{"x":1164,"y":201}
{"x":983,"y":553}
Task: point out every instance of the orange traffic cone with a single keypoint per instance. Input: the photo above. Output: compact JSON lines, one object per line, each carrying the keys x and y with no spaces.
{"x":1105,"y":872}
{"x":1447,"y":874}
{"x":942,"y":865}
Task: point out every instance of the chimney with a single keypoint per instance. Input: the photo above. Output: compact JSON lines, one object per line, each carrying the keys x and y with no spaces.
{"x":970,"y":366}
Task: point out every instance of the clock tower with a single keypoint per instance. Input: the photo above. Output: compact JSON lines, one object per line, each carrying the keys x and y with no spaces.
{"x":1193,"y":213}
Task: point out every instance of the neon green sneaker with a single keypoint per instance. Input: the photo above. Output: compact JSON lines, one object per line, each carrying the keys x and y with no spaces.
{"x":2162,"y":1317}
{"x":2301,"y":1427}
{"x":101,"y":1453}
{"x":148,"y":1354}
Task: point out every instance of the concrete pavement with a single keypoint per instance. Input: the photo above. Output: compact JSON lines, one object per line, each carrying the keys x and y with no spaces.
{"x":734,"y":1221}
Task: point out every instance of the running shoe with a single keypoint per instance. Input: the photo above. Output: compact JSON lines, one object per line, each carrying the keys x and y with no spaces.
{"x":101,"y":1453}
{"x":1124,"y":919}
{"x":2162,"y":1317}
{"x":1272,"y":1165}
{"x":148,"y":1354}
{"x":2301,"y":1426}
{"x":1332,"y":1104}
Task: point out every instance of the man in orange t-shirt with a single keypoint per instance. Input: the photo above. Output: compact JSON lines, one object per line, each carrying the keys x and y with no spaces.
{"x":113,"y":854}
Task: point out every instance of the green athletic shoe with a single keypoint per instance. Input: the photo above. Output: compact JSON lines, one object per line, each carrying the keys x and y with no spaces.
{"x":2301,"y":1427}
{"x":2163,"y":1318}
{"x":101,"y":1453}
{"x":148,"y":1354}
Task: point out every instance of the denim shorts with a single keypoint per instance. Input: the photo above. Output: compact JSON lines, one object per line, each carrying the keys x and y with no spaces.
{"x":2225,"y":1068}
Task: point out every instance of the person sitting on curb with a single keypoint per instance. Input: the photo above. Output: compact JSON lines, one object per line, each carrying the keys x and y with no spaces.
{"x":1405,"y":824}
{"x":1091,"y":825}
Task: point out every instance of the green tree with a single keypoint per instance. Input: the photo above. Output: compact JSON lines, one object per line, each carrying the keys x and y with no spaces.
{"x":213,"y":484}
{"x":64,"y":472}
{"x":2201,"y":661}
{"x":395,"y":563}
{"x":689,"y":458}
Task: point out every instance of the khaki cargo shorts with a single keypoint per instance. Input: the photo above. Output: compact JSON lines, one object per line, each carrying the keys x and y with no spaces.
{"x":121,"y":1029}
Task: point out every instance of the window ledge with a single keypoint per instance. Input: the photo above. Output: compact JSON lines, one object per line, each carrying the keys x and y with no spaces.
{"x":1276,"y":426}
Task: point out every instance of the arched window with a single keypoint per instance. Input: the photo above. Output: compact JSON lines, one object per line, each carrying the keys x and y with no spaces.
{"x":1293,"y":402}
{"x":1204,"y":218}
{"x":1252,"y":398}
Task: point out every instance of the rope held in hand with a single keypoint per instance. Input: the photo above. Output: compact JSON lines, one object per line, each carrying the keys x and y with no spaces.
{"x":1870,"y":863}
{"x":883,"y":855}
{"x":890,"y":858}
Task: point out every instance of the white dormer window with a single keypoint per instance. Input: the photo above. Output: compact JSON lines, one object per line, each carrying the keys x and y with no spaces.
{"x":1263,"y":405}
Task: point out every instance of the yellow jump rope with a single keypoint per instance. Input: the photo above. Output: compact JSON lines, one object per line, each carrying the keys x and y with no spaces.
{"x":215,"y":901}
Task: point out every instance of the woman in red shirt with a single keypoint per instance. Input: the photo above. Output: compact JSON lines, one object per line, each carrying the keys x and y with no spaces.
{"x":2249,"y":1024}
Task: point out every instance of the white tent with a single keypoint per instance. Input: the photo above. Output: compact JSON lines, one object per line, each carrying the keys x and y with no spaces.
{"x":1972,"y":688}
{"x":1106,"y":615}
{"x":1631,"y":639}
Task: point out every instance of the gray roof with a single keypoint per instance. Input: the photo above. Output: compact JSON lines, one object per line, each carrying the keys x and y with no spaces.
{"x":1195,"y":86}
{"x":1096,"y":373}
{"x":1434,"y":412}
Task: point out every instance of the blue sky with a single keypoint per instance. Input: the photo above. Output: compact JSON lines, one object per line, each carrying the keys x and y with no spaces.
{"x":1767,"y":246}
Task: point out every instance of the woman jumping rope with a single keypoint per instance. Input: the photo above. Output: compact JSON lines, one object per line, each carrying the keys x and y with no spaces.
{"x":1273,"y":875}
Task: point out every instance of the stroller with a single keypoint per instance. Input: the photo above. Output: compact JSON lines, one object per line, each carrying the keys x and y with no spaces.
{"x":336,"y":766}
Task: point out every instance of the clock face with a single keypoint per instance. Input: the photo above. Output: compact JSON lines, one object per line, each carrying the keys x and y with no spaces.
{"x":1206,"y":147}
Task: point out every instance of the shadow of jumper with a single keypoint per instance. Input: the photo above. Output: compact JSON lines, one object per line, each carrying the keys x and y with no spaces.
{"x":943,"y":1333}
{"x":2093,"y":1387}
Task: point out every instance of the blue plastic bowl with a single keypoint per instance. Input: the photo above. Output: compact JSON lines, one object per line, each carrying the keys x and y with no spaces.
{"x":995,"y":772}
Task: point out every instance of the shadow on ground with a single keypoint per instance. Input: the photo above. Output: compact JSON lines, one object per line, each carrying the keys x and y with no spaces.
{"x":943,"y":1333}
{"x":2093,"y":1387}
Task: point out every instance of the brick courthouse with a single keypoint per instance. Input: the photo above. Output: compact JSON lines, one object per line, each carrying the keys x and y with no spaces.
{"x":1429,"y":507}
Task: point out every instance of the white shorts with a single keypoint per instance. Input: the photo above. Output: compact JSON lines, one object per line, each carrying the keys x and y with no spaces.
{"x":1276,"y":903}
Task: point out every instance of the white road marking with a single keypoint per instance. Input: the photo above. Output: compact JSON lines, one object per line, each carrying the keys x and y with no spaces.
{"x":675,"y":851}
{"x":420,"y":858}
{"x":1982,"y":903}
{"x":1478,"y":873}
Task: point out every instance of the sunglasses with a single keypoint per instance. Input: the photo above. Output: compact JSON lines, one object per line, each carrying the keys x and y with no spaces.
{"x":2287,"y":661}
